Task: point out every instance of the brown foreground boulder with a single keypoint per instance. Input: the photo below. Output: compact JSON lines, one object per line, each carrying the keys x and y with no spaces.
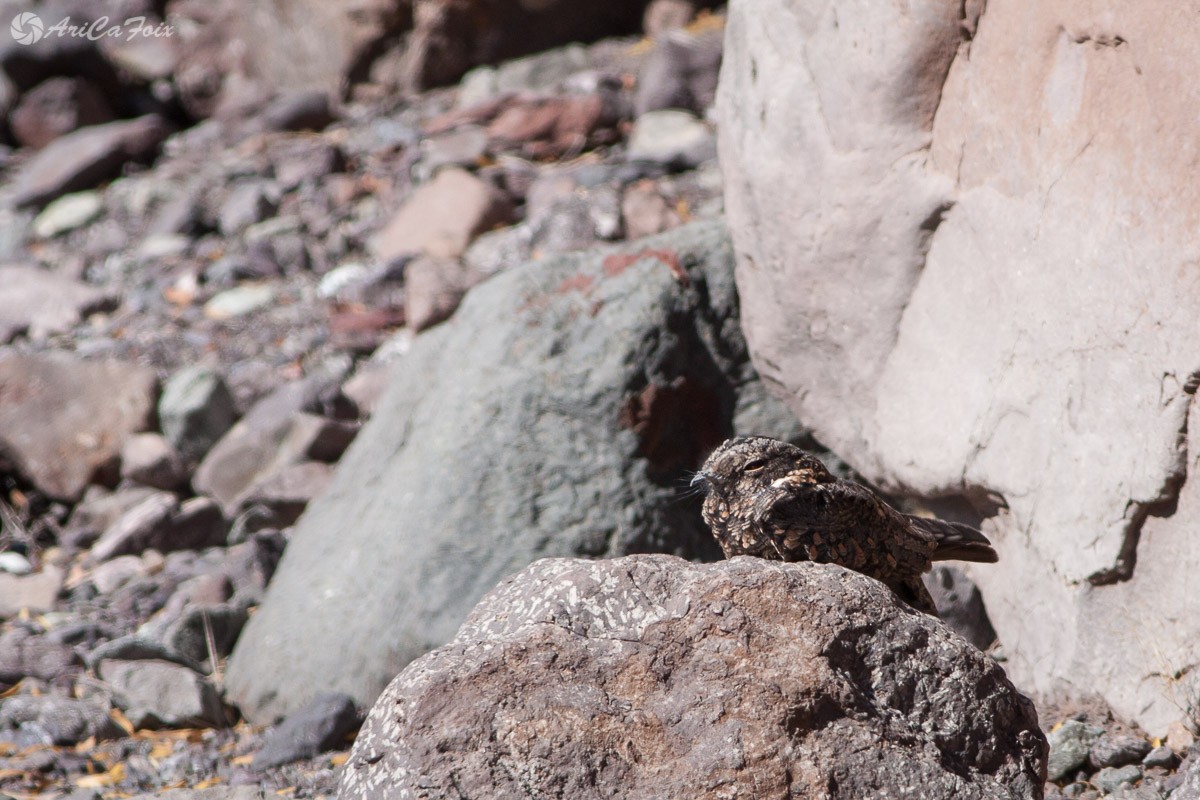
{"x":651,"y":676}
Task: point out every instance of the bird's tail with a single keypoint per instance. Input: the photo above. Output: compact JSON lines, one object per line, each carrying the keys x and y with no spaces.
{"x":956,"y":542}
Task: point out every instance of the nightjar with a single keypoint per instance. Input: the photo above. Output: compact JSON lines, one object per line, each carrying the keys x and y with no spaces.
{"x":771,"y":499}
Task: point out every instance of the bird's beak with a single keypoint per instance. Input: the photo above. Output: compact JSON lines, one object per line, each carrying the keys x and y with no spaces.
{"x":700,"y":479}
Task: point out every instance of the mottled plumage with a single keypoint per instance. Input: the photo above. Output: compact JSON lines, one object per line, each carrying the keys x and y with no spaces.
{"x":771,"y":499}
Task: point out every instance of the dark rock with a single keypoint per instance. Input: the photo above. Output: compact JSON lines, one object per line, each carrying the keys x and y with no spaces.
{"x":162,"y":694}
{"x":199,"y":523}
{"x":189,"y":635}
{"x":644,"y":676}
{"x":1117,"y":750}
{"x":253,"y":266}
{"x":83,"y":633}
{"x":449,"y":39}
{"x":62,"y":720}
{"x":136,"y":647}
{"x":305,"y":110}
{"x":63,"y":418}
{"x":251,"y":563}
{"x":27,"y":655}
{"x":960,"y":604}
{"x":38,"y":302}
{"x":84,"y":158}
{"x":281,"y":497}
{"x":620,"y":371}
{"x":321,"y":725}
{"x":195,"y":410}
{"x":161,"y":522}
{"x":99,"y":509}
{"x":1069,"y":747}
{"x":56,"y":107}
{"x":318,"y":438}
{"x":28,"y":64}
{"x":1161,"y":756}
{"x":149,"y":459}
{"x":134,"y":530}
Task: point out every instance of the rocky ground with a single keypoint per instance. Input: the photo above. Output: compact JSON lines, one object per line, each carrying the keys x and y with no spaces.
{"x":196,"y":320}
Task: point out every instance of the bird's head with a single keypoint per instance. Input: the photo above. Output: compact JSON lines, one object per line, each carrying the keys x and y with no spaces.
{"x":746,"y":465}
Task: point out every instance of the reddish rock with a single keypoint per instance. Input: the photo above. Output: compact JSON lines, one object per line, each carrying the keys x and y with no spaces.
{"x":644,"y":211}
{"x":433,"y":288}
{"x":442,"y":217}
{"x":62,"y":419}
{"x":56,"y":107}
{"x":549,"y":127}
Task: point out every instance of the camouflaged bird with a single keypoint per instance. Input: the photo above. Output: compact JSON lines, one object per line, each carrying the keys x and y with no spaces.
{"x":771,"y":499}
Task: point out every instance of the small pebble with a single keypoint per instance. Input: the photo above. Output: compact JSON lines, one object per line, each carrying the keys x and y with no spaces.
{"x":239,"y":301}
{"x":1109,"y":778}
{"x":1161,"y":756}
{"x":15,"y":563}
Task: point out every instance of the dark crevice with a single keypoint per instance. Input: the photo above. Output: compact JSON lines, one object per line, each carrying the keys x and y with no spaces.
{"x":1163,"y":506}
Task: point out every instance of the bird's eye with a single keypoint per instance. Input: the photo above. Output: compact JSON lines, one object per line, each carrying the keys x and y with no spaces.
{"x":755,"y":465}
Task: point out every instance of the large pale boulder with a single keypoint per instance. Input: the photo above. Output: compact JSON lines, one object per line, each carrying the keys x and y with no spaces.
{"x":966,"y":255}
{"x":557,"y":413}
{"x":649,"y":676}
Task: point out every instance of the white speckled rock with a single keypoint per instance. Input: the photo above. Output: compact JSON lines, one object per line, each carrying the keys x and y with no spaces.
{"x":650,"y":676}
